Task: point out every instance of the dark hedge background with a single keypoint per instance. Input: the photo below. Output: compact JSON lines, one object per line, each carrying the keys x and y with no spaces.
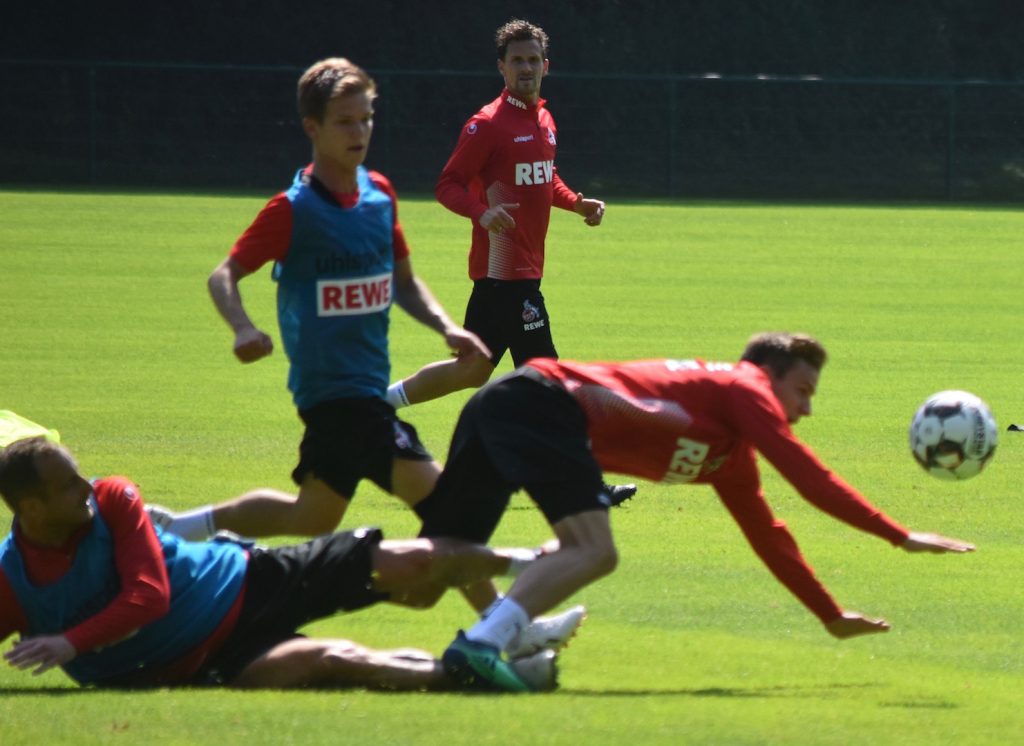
{"x":909,"y":100}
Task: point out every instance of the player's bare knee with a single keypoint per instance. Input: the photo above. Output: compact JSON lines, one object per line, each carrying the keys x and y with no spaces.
{"x":424,"y":596}
{"x":341,"y":658}
{"x":603,"y":559}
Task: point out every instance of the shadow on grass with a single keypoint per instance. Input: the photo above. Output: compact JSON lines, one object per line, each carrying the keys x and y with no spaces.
{"x":763,"y":692}
{"x":48,"y":691}
{"x":769,"y":692}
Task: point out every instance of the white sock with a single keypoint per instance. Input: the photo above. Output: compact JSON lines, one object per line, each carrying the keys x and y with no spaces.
{"x":500,"y":623}
{"x":519,"y":560}
{"x":194,"y":525}
{"x":396,"y":395}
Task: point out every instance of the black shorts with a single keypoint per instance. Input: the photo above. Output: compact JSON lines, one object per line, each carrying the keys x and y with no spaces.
{"x":519,"y":431}
{"x":289,"y":586}
{"x":347,"y":440}
{"x":510,"y":315}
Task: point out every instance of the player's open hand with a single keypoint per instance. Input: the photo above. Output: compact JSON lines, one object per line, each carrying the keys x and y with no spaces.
{"x":919,"y":542}
{"x":251,"y":344}
{"x":44,"y":652}
{"x":592,"y":210}
{"x":853,"y":624}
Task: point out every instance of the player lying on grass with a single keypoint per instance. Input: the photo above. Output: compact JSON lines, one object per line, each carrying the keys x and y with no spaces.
{"x":92,"y":587}
{"x":551,"y":427}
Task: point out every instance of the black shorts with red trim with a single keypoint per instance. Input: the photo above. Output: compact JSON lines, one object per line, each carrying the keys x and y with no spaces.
{"x":347,"y":440}
{"x":520,"y":431}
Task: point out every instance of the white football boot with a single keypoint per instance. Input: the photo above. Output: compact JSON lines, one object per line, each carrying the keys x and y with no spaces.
{"x":547,"y":633}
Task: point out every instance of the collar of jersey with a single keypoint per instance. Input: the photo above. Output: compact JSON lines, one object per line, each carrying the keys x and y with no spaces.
{"x":506,"y":94}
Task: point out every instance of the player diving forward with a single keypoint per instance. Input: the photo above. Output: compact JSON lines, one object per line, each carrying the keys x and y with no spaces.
{"x":551,"y":427}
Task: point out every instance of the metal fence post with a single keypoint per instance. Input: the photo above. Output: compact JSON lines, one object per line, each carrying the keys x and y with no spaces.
{"x":950,"y":139}
{"x":93,"y":126}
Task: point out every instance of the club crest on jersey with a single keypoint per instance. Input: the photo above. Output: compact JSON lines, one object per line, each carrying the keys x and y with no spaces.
{"x":353,"y":297}
{"x":551,"y":136}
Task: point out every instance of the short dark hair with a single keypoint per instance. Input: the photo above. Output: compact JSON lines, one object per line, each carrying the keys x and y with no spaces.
{"x":519,"y":30}
{"x":19,"y":470}
{"x":327,"y":79}
{"x":780,"y":350}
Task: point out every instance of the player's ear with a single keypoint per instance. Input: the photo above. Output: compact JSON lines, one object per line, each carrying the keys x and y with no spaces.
{"x":310,"y":126}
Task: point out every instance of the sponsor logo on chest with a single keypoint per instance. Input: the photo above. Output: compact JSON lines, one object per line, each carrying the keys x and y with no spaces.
{"x":538,"y":172}
{"x":353,"y":297}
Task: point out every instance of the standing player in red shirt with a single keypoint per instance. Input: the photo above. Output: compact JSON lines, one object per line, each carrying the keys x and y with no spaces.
{"x":551,"y":427}
{"x":502,"y":177}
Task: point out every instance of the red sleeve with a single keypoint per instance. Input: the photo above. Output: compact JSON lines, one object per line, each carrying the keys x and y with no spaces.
{"x":401,"y":247}
{"x":268,"y":238}
{"x":458,"y":188}
{"x":12,"y":618}
{"x":562,"y":196}
{"x":739,"y":488}
{"x":762,"y":422}
{"x":145,"y":589}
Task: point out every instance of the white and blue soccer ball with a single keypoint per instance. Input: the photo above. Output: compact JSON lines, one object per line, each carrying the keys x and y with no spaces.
{"x":953,"y":435}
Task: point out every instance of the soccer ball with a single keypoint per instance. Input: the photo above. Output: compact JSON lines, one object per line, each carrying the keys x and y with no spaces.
{"x":953,"y":435}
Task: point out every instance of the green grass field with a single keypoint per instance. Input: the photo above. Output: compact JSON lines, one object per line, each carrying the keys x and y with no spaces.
{"x":108,"y":335}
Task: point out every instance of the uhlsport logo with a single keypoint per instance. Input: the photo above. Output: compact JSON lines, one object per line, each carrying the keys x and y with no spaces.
{"x":353,"y":297}
{"x":538,"y":172}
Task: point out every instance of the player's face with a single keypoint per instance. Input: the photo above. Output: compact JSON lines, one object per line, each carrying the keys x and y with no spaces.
{"x":523,"y":68}
{"x":795,"y":389}
{"x":343,"y":137}
{"x":65,"y":499}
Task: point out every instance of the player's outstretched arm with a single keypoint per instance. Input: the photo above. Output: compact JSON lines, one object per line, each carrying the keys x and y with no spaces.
{"x":921,"y":542}
{"x":854,"y":624}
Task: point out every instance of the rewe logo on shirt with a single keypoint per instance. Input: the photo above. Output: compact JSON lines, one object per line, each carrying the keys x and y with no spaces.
{"x":686,"y":461}
{"x":538,"y":172}
{"x":353,"y":297}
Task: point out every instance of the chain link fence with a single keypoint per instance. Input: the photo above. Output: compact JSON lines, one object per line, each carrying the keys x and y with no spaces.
{"x":654,"y":136}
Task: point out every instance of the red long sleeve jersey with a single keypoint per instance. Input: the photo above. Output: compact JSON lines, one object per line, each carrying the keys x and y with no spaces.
{"x":506,"y":155}
{"x":728,"y":412}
